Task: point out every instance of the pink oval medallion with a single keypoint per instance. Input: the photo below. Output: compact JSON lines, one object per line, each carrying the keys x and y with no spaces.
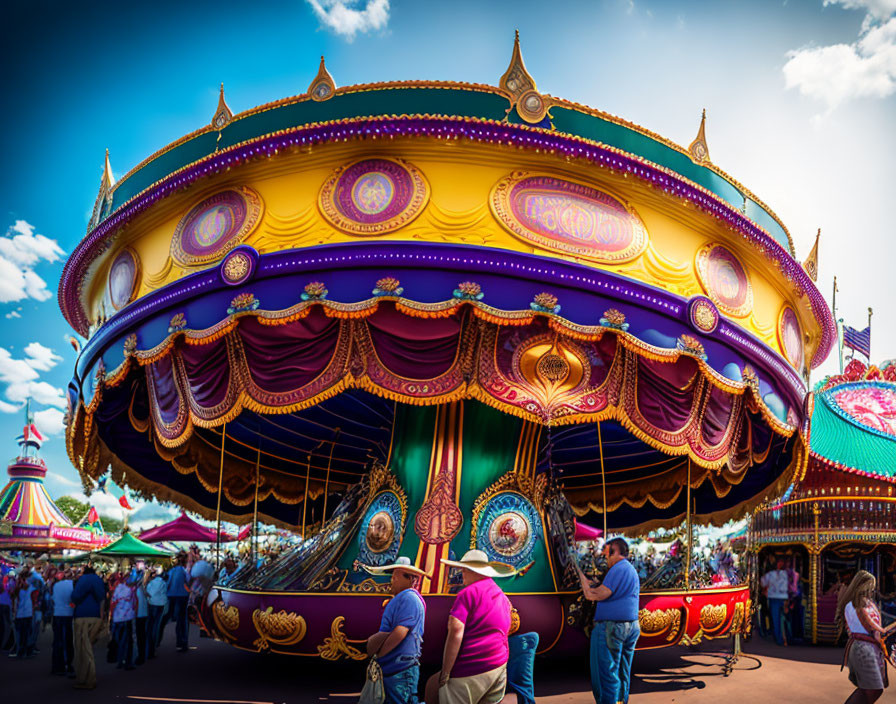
{"x":790,"y":337}
{"x":570,"y":217}
{"x":725,"y":280}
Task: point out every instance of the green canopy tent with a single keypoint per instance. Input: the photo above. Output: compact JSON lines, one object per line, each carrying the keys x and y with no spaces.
{"x":129,"y":546}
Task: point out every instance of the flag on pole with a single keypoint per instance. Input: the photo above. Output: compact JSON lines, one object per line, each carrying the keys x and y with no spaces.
{"x":124,"y":499}
{"x":92,"y":516}
{"x":811,"y":263}
{"x":101,"y":484}
{"x":859,"y":340}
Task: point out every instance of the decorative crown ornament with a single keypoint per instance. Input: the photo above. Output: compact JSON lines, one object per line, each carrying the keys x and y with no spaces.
{"x":614,"y":319}
{"x":178,"y":323}
{"x":468,"y":291}
{"x":545,"y":302}
{"x":388,"y":286}
{"x":698,"y":149}
{"x":242,"y":303}
{"x":314,"y":291}
{"x":691,"y":345}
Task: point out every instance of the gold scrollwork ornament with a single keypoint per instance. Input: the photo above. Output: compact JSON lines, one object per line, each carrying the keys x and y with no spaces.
{"x":336,"y":646}
{"x":712,"y":617}
{"x":280,"y":628}
{"x":227,"y":618}
{"x":656,"y":623}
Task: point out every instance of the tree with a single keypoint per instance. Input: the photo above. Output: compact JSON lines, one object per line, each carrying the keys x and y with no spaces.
{"x":76,"y":510}
{"x":73,"y":509}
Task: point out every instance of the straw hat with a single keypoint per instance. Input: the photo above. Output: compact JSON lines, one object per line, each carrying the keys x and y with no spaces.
{"x":477,"y":561}
{"x":402,"y":563}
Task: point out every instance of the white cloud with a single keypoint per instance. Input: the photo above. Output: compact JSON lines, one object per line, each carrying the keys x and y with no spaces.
{"x":15,"y":370}
{"x":14,"y":314}
{"x":344,"y":18}
{"x":20,"y":251}
{"x":840,"y":72}
{"x":9,"y":407}
{"x":49,"y":421}
{"x":41,"y":358}
{"x":876,"y":9}
{"x":39,"y":391}
{"x":62,"y":479}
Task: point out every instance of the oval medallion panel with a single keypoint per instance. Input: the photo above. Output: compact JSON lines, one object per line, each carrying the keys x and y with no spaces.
{"x":790,"y":337}
{"x":869,"y":404}
{"x":123,"y":278}
{"x":215,"y":226}
{"x":381,"y":530}
{"x":725,"y":280}
{"x":569,"y":217}
{"x":374,"y":196}
{"x":508,"y":528}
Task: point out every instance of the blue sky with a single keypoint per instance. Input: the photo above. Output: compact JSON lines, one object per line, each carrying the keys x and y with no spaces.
{"x":799,"y":96}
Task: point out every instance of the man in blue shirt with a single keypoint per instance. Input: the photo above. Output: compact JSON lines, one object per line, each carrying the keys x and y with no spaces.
{"x":398,"y":643}
{"x":24,"y":613}
{"x":178,"y":595}
{"x":63,"y":634}
{"x":616,"y":627}
{"x":88,"y":596}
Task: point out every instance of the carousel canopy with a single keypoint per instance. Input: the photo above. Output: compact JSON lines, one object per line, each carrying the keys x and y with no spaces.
{"x":853,"y":422}
{"x":183,"y":529}
{"x":129,"y":546}
{"x":279,"y":291}
{"x":37,"y":523}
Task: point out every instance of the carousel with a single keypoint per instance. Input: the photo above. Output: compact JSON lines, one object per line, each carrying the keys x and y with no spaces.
{"x":411,"y":318}
{"x":36,"y":524}
{"x":839,"y":516}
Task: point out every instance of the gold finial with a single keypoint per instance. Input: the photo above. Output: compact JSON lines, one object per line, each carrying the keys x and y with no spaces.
{"x":520,"y":86}
{"x":698,"y":148}
{"x":108,"y":179}
{"x":516,"y":79}
{"x":323,"y":86}
{"x":811,"y":263}
{"x":103,"y":205}
{"x":223,"y":115}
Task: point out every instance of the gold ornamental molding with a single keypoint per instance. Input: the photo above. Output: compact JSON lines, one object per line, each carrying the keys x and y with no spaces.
{"x":227,"y":618}
{"x":336,"y":646}
{"x":280,"y":628}
{"x":655,"y":623}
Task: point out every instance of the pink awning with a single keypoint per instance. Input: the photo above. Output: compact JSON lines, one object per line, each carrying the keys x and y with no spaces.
{"x":184,"y":529}
{"x":586,"y":532}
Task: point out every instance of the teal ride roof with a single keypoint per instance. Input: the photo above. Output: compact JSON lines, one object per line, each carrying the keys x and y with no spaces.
{"x":442,"y":99}
{"x":843,"y":439}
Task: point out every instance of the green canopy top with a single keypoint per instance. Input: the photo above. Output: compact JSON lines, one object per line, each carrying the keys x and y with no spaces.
{"x":129,"y":546}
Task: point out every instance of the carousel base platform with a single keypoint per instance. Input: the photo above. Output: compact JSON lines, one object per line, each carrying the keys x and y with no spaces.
{"x":335,"y":626}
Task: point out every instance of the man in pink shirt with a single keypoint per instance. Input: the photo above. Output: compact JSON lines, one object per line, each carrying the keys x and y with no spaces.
{"x":474,"y":665}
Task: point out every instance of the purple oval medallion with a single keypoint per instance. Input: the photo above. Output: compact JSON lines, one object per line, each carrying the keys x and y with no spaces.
{"x":215,"y":226}
{"x":123,"y":275}
{"x":373,"y":196}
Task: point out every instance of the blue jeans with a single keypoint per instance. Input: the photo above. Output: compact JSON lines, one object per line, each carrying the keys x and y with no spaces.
{"x":178,"y":606}
{"x":153,"y":629}
{"x":123,"y":633}
{"x":23,"y":636}
{"x":612,"y":649}
{"x":774,"y":608}
{"x":63,"y":645}
{"x":401,"y":688}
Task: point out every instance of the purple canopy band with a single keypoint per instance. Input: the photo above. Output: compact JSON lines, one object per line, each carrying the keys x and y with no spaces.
{"x":472,"y":260}
{"x":487,"y":131}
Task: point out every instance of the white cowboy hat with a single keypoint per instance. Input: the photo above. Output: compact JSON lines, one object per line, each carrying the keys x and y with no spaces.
{"x":477,"y":561}
{"x":402,"y":563}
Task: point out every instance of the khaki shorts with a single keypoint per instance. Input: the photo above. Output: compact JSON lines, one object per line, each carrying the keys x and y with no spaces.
{"x":487,"y":688}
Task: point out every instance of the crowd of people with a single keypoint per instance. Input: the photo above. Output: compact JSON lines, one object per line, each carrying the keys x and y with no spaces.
{"x":781,"y":607}
{"x":133,"y":605}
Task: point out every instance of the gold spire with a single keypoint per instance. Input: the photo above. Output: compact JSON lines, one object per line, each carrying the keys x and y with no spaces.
{"x":103,"y":203}
{"x":811,"y":263}
{"x":223,"y":115}
{"x":516,"y":79}
{"x":323,"y":86}
{"x":698,"y":148}
{"x":108,"y":179}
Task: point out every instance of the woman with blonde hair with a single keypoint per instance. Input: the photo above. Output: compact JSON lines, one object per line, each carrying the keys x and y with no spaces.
{"x":864,"y":652}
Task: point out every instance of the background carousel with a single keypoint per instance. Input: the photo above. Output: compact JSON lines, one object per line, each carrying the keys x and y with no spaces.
{"x":409,"y":318}
{"x":839,"y":517}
